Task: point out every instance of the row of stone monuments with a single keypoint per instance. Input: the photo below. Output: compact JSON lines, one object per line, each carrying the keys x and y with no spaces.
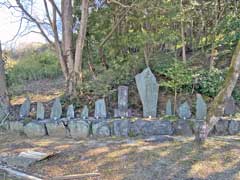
{"x":148,"y":91}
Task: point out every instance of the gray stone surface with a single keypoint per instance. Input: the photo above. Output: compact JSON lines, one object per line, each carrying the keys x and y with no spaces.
{"x":169,"y":108}
{"x":56,"y":111}
{"x":25,"y":159}
{"x":25,"y":108}
{"x":19,"y":162}
{"x":16,"y":126}
{"x":234,"y":127}
{"x":40,"y":111}
{"x":149,"y":128}
{"x":183,"y":128}
{"x":56,"y":129}
{"x":100,"y":109}
{"x":79,"y":129}
{"x":201,"y":108}
{"x":184,"y":111}
{"x":84,"y":114}
{"x":159,"y":139}
{"x":229,"y":106}
{"x":35,"y":129}
{"x":3,"y":111}
{"x":121,"y":127}
{"x":70,"y":112}
{"x":221,"y":128}
{"x":101,"y":129}
{"x":148,"y":90}
{"x":122,"y":110}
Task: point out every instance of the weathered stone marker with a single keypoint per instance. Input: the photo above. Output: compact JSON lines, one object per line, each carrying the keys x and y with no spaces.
{"x":148,"y":89}
{"x":70,"y":112}
{"x":84,"y":114}
{"x":184,"y":111}
{"x":56,"y":111}
{"x":122,"y":110}
{"x":25,"y":108}
{"x":100,"y":109}
{"x":229,"y":106}
{"x":40,"y":111}
{"x":169,"y":108}
{"x":201,"y":108}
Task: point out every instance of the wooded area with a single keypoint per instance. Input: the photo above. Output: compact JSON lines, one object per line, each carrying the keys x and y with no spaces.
{"x":103,"y":44}
{"x":141,"y":89}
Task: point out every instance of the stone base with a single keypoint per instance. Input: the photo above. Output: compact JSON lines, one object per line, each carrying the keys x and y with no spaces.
{"x":56,"y":129}
{"x":35,"y":129}
{"x":16,"y":126}
{"x":119,"y":113}
{"x":79,"y":129}
{"x":120,"y":127}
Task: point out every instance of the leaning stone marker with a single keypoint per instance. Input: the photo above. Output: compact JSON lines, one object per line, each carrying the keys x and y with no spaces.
{"x":25,"y":108}
{"x":169,"y":108}
{"x":56,"y":111}
{"x":122,"y":110}
{"x":40,"y":111}
{"x":148,"y":89}
{"x":184,"y":111}
{"x":70,"y":112}
{"x":201,"y":108}
{"x":229,"y":106}
{"x":100,"y":109}
{"x":84,"y":114}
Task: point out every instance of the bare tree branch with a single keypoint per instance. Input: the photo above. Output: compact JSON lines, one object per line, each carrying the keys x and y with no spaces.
{"x":55,"y":6}
{"x":119,"y":3}
{"x":33,"y":20}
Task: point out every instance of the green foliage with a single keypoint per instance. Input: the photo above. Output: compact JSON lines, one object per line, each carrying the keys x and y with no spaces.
{"x":34,"y":66}
{"x":26,"y":120}
{"x":122,"y":71}
{"x":178,"y":75}
{"x":209,"y":82}
{"x":230,"y":27}
{"x":236,"y":94}
{"x":170,"y":118}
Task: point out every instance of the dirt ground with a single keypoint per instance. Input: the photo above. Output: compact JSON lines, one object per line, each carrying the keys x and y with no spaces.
{"x":131,"y":159}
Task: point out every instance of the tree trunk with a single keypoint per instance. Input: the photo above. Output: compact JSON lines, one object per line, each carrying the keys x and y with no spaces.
{"x":175,"y":101}
{"x":80,"y":44}
{"x":183,"y":35}
{"x":67,"y":38}
{"x":4,"y":100}
{"x":217,"y":107}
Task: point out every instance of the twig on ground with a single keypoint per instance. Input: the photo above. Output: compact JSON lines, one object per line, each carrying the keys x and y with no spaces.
{"x":74,"y":176}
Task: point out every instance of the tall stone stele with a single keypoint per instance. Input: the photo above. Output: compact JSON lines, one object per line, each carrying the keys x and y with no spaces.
{"x":201,"y":108}
{"x":169,"y":108}
{"x":84,"y":114}
{"x":25,"y":108}
{"x":100,"y":109}
{"x":56,"y":111}
{"x":122,"y":110}
{"x":40,"y":111}
{"x":70,"y":112}
{"x":229,"y":106}
{"x":148,"y":90}
{"x":184,"y":111}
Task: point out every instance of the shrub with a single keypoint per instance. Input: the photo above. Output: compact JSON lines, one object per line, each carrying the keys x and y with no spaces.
{"x":209,"y":82}
{"x":34,"y":66}
{"x":178,"y":75}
